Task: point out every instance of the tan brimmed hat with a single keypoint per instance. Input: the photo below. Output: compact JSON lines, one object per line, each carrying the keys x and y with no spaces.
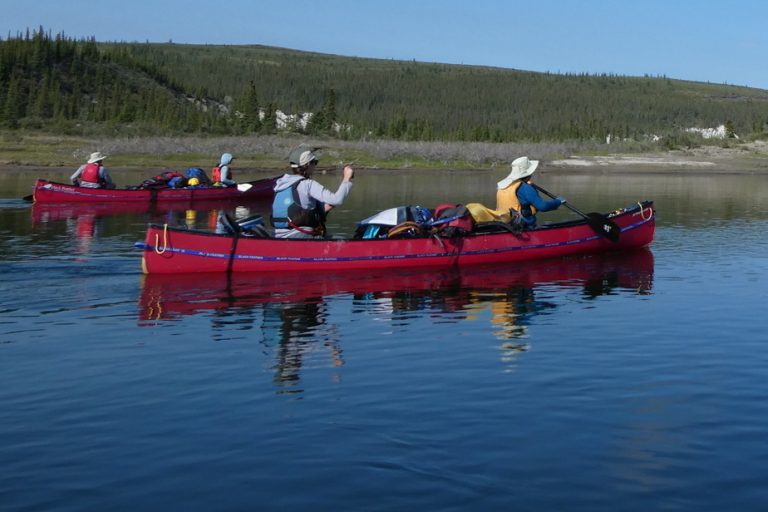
{"x":96,"y":157}
{"x":521,"y":168}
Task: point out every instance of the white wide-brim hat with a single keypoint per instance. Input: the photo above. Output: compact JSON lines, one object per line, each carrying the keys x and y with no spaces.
{"x":521,"y":168}
{"x":96,"y":157}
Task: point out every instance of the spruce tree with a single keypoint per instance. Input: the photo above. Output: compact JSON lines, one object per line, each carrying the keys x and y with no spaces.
{"x":269,"y":122}
{"x":10,"y":111}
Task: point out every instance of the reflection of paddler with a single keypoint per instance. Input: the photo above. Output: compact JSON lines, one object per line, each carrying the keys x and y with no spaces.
{"x":84,"y":231}
{"x":86,"y":226}
{"x":294,"y":326}
{"x":508,"y":310}
{"x":190,"y":218}
{"x":504,"y":315}
{"x":213,"y":217}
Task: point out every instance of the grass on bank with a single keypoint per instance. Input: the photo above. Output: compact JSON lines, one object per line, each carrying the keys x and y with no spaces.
{"x":270,"y":152}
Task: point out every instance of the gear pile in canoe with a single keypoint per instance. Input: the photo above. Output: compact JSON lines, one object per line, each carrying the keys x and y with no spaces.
{"x":418,"y":241}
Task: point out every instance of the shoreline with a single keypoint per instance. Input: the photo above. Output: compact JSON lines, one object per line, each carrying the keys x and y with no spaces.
{"x":740,"y":158}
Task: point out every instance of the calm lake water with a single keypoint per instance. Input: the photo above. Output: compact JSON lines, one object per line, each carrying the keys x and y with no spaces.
{"x":627,"y":384}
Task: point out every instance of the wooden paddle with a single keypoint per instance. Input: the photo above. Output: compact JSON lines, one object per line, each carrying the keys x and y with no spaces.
{"x":601,"y":224}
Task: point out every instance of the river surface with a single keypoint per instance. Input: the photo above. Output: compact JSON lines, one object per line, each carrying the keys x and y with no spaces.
{"x":625,"y":384}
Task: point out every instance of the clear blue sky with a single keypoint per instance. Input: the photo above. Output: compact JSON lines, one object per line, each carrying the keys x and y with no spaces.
{"x":720,"y":41}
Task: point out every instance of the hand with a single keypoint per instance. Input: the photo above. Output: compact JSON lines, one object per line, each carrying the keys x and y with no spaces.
{"x":562,"y":200}
{"x":349,"y":173}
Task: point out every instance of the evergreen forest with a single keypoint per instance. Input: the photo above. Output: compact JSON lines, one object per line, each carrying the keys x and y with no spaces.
{"x":53,"y":83}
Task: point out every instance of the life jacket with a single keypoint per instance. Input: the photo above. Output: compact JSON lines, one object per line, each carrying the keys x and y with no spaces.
{"x":506,"y":200}
{"x":287,"y":212}
{"x":91,"y":174}
{"x":216,"y":174}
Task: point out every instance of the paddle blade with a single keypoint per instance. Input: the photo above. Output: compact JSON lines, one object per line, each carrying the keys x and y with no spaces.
{"x":604,"y":226}
{"x":28,"y":198}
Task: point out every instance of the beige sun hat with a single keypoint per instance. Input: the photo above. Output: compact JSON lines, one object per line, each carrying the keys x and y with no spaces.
{"x":521,"y":168}
{"x":96,"y":157}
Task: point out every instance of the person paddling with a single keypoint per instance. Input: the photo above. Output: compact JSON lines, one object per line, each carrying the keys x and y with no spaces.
{"x":92,"y":174}
{"x":516,"y":193}
{"x":301,"y":203}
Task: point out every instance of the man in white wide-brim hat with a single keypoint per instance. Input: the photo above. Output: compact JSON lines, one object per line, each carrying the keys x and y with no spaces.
{"x":92,"y":174}
{"x":515,"y":193}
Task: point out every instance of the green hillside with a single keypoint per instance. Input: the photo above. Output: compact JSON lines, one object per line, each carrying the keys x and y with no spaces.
{"x":56,"y":83}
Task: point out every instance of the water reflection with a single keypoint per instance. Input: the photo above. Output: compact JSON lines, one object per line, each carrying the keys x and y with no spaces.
{"x":84,"y":228}
{"x":177,"y":214}
{"x":297,"y":329}
{"x":293,"y":317}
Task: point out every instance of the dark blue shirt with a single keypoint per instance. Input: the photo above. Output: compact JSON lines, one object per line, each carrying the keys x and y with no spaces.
{"x":529,"y":196}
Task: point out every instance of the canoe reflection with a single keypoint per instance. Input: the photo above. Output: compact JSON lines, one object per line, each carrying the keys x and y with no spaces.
{"x":292,"y":312}
{"x":45,"y":213}
{"x":510,"y":291}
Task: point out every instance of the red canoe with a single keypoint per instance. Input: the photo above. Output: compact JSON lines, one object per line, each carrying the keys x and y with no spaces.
{"x":170,"y":250}
{"x":51,"y":192}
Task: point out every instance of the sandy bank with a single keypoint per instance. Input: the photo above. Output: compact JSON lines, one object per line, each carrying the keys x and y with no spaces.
{"x":749,"y":157}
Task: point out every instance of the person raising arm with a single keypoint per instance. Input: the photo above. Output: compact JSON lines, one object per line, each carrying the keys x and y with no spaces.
{"x":301,"y":203}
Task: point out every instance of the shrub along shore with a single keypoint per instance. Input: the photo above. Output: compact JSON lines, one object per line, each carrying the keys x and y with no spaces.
{"x":35,"y":151}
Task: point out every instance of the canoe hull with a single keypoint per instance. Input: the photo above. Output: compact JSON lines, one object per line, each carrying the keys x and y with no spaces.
{"x":170,"y":250}
{"x":50,"y":192}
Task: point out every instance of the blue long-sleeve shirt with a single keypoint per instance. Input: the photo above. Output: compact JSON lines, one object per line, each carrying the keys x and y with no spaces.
{"x":529,"y":196}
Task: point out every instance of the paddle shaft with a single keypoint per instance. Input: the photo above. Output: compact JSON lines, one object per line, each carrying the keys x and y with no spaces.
{"x":598,"y":222}
{"x":333,"y":167}
{"x":553,"y":196}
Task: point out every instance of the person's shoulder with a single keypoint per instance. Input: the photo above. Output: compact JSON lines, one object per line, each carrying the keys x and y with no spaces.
{"x":286,"y":180}
{"x":525,"y":188}
{"x":309,"y":184}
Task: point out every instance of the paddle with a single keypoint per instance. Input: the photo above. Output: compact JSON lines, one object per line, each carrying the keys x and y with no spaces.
{"x":28,"y":198}
{"x":601,"y":224}
{"x":338,"y":166}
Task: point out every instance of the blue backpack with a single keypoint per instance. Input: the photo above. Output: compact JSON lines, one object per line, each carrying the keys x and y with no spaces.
{"x":197,"y":172}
